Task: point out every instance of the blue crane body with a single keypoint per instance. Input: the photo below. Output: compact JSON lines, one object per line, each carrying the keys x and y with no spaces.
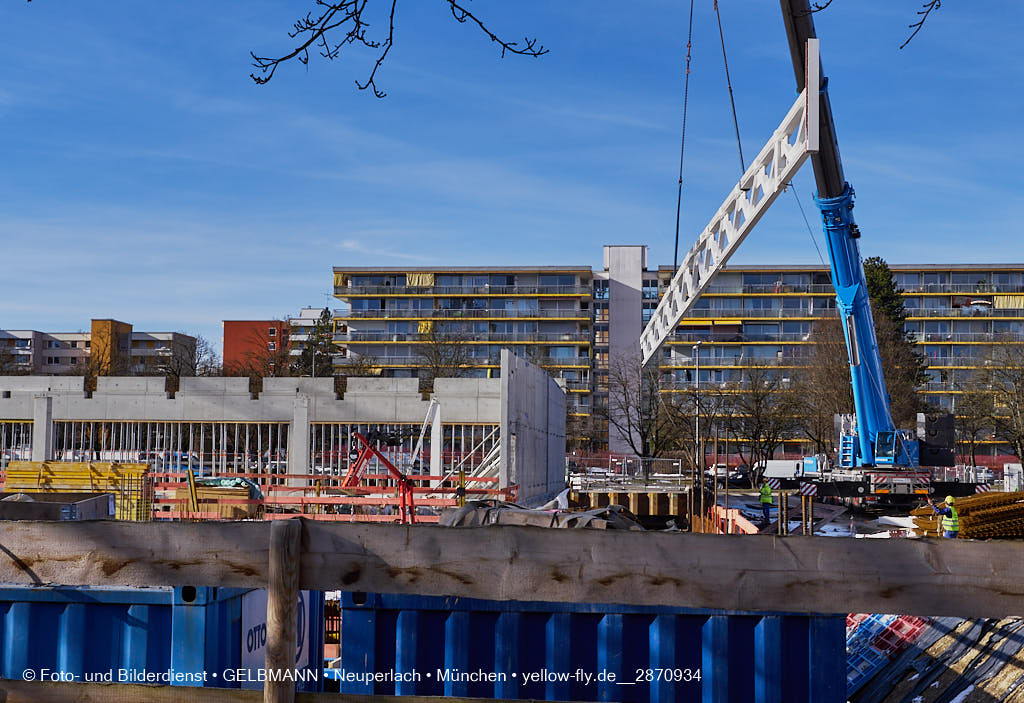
{"x":876,"y":442}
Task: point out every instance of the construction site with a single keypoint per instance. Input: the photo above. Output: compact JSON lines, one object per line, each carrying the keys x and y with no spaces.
{"x":393,"y":536}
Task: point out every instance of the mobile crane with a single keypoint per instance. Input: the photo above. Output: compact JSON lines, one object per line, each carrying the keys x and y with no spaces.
{"x":875,"y":459}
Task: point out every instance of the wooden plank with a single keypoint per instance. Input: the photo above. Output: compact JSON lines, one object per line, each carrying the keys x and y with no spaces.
{"x":59,"y":692}
{"x":230,"y":554}
{"x":758,"y":573}
{"x":282,"y":607}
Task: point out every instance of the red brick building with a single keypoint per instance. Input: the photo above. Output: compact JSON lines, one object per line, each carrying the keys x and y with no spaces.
{"x":256,"y":346}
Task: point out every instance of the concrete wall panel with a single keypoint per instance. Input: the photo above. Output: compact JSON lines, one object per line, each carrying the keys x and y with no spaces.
{"x":532,"y":430}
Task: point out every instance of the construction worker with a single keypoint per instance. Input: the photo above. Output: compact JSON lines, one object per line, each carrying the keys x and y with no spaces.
{"x":950,"y":517}
{"x":766,"y":499}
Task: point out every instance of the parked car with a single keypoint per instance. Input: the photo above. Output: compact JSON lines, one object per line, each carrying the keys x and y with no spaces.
{"x":737,"y":477}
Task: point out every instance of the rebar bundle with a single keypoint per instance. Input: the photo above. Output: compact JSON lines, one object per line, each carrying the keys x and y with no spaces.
{"x":986,"y":516}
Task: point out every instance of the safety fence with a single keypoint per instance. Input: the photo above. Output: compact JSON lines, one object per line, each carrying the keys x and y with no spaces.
{"x":312,"y":496}
{"x":15,"y":441}
{"x":141,"y":493}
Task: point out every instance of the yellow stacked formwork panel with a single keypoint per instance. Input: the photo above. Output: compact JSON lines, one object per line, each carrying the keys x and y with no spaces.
{"x":130,"y":484}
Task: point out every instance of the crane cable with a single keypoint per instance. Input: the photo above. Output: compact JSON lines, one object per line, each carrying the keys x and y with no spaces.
{"x":682,"y":143}
{"x":728,"y":83}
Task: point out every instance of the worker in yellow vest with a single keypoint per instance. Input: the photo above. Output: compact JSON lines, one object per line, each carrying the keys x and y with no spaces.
{"x":950,"y":517}
{"x":766,"y":499}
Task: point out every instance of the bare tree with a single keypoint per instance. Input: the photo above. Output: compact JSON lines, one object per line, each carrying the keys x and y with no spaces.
{"x":343,"y":23}
{"x":443,"y":352}
{"x":648,"y":420}
{"x":265,"y":356}
{"x":763,"y":413}
{"x":823,"y":384}
{"x":1004,"y":373}
{"x":974,"y":417}
{"x":926,"y":9}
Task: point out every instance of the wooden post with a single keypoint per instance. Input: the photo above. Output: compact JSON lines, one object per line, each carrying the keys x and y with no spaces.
{"x":282,"y":608}
{"x":810,"y":512}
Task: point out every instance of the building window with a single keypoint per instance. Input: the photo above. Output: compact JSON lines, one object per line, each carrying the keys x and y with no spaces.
{"x":74,"y":345}
{"x":272,"y":332}
{"x":74,"y":361}
{"x":88,"y":344}
{"x":272,"y":346}
{"x":557,"y":280}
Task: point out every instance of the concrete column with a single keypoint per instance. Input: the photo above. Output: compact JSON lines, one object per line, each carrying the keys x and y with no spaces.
{"x":298,"y":440}
{"x":436,"y":446}
{"x":42,"y":428}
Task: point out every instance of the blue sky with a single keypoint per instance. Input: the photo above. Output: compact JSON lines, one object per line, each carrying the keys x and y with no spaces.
{"x":143,"y":175}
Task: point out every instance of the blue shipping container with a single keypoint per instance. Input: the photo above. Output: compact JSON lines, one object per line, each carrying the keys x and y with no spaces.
{"x":409,"y":645}
{"x":129,"y":634}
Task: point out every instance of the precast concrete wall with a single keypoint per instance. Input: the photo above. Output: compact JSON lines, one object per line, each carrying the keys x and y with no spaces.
{"x":532,"y":430}
{"x":227,"y":399}
{"x":526,"y":402}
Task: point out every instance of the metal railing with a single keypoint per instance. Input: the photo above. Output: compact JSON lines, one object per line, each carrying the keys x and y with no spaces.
{"x":937,"y":337}
{"x":755,"y":314}
{"x":961,"y":288}
{"x":442,"y":291}
{"x":735,"y":361}
{"x":771,"y":288}
{"x":690,"y":337}
{"x":952,"y":361}
{"x":465,"y":337}
{"x":965,"y":311}
{"x":467,"y":313}
{"x":413,"y":360}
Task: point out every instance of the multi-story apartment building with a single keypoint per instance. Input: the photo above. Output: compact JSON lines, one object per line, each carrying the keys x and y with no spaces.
{"x":110,"y":347}
{"x":576,"y":321}
{"x":542,"y":313}
{"x":752,"y":315}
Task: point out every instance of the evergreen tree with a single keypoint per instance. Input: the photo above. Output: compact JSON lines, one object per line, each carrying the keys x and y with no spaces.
{"x":905,"y":368}
{"x":319,"y":348}
{"x":886,"y":297}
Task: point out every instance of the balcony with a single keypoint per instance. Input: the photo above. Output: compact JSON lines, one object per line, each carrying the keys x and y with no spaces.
{"x":464,"y":314}
{"x":736,"y":337}
{"x":968,"y":361}
{"x":465,"y":338}
{"x":961,"y":288}
{"x":743,"y":313}
{"x":687,"y":362}
{"x":562,"y":361}
{"x":966,"y":311}
{"x":448,"y":291}
{"x":416,"y":361}
{"x":771,"y":289}
{"x":967,"y":337}
{"x":577,"y":386}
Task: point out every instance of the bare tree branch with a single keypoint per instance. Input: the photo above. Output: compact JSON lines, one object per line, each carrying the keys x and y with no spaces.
{"x":347,"y":18}
{"x":923,"y":13}
{"x":819,"y":6}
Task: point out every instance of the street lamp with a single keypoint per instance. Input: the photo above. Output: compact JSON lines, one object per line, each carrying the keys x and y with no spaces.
{"x":696,"y":395}
{"x":697,"y":459}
